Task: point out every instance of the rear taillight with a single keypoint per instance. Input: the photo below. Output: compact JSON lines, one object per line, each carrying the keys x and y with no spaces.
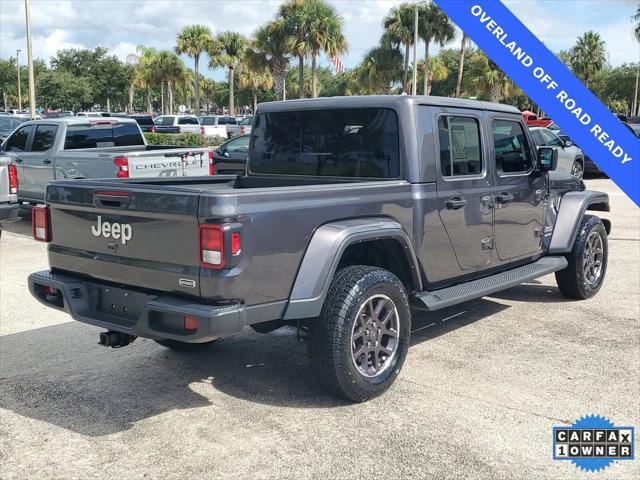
{"x":201,"y":130}
{"x":212,"y":246}
{"x":123,"y":167}
{"x":13,"y":179}
{"x":40,"y":225}
{"x":242,"y":130}
{"x":212,"y":167}
{"x":153,"y":129}
{"x":235,"y":244}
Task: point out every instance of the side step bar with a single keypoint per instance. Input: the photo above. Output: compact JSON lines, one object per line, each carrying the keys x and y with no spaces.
{"x":447,"y":297}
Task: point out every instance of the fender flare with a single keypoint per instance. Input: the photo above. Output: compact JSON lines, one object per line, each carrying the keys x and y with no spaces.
{"x":573,"y":206}
{"x":323,"y":255}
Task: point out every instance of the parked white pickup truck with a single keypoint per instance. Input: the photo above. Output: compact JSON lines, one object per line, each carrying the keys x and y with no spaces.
{"x":177,"y":124}
{"x":82,"y":147}
{"x":223,"y":126}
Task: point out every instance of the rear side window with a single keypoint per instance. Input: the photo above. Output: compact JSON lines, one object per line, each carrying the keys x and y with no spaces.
{"x":18,"y":141}
{"x":512,"y":150}
{"x":362,"y":142}
{"x":227,"y":121}
{"x":44,"y":138}
{"x":537,"y":138}
{"x":144,"y":120}
{"x":551,"y":139}
{"x":207,"y":121}
{"x":164,"y":121}
{"x":246,"y":121}
{"x":187,"y":121}
{"x":459,"y":146}
{"x":127,"y":134}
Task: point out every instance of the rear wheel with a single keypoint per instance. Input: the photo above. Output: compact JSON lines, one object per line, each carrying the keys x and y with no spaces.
{"x":182,"y":346}
{"x":587,"y":267}
{"x":360,"y":340}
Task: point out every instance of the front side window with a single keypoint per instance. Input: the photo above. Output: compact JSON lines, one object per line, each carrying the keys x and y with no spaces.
{"x":164,"y":121}
{"x":18,"y":141}
{"x":227,"y":121}
{"x":459,"y":146}
{"x":238,"y":145}
{"x":359,"y":142}
{"x":512,"y":150}
{"x":551,"y":139}
{"x":537,"y":138}
{"x":187,"y":121}
{"x":207,"y":121}
{"x":44,"y":138}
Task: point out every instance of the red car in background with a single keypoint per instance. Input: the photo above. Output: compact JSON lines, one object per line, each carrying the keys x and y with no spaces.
{"x":532,"y":120}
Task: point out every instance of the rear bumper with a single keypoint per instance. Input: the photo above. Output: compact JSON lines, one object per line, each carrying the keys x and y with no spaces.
{"x":135,"y":312}
{"x":8,"y":211}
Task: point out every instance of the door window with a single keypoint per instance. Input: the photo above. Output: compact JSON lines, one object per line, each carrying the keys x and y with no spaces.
{"x":187,"y":121}
{"x":459,"y":146}
{"x":551,"y":139}
{"x":512,"y":150}
{"x":44,"y":138}
{"x":537,"y":138}
{"x":240,"y":144}
{"x":164,"y":121}
{"x":18,"y":141}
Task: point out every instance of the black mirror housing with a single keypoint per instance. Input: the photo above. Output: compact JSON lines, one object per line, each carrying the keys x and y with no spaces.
{"x":547,"y":159}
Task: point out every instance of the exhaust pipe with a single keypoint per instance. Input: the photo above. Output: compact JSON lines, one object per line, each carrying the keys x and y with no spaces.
{"x":115,"y":339}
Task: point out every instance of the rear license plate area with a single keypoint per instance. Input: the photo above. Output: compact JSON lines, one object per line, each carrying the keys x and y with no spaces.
{"x":119,"y":303}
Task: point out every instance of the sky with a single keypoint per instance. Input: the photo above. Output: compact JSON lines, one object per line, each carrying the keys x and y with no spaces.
{"x":120,"y":25}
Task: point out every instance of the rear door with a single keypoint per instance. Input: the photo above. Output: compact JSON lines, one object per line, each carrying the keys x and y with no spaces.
{"x":520,"y":193}
{"x":464,"y":188}
{"x":142,"y":235}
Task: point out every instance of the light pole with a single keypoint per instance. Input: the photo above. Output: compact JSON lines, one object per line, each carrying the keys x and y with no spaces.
{"x":19,"y":94}
{"x":32,"y":86}
{"x":414,"y":86}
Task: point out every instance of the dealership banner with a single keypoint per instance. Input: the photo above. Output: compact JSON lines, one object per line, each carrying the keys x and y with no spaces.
{"x":549,"y":83}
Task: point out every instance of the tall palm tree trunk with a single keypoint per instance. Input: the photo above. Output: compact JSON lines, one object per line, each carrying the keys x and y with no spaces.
{"x":425,"y":86}
{"x":149,"y":106}
{"x":279,"y":72}
{"x":314,"y":76}
{"x":170,"y":96}
{"x":162,"y":95}
{"x":132,"y":91}
{"x":232,"y":107}
{"x":406,"y":67}
{"x":196,"y":60}
{"x":461,"y":65}
{"x":254,"y":96}
{"x":301,"y":75}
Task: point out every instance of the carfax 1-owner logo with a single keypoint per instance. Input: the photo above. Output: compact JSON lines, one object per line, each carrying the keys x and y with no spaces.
{"x":593,"y":443}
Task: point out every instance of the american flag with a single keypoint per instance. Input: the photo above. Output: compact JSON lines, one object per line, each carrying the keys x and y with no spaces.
{"x":337,"y":64}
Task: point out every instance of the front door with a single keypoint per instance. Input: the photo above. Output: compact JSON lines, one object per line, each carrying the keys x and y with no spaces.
{"x":464,"y":188}
{"x":17,"y":148}
{"x":37,"y":164}
{"x":519,"y":192}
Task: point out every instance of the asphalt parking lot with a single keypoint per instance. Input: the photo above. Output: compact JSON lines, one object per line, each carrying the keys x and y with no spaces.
{"x":483,"y":385}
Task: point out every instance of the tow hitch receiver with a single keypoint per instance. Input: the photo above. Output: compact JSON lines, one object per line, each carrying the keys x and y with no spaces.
{"x":115,"y":339}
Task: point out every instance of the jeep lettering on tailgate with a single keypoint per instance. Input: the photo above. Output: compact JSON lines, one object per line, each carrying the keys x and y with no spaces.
{"x":116,"y":231}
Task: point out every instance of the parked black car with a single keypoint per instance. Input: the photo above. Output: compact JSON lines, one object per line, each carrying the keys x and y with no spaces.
{"x":145,"y":122}
{"x":231,"y":156}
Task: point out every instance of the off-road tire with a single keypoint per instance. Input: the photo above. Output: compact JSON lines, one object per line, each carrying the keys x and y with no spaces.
{"x":183,"y":346}
{"x":573,"y":280}
{"x":331,"y":334}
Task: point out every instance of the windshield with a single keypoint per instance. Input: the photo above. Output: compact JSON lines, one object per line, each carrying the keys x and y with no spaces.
{"x":362,"y":142}
{"x":9,"y":123}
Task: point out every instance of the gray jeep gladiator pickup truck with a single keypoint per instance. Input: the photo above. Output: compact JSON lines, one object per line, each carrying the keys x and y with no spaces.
{"x":353,"y":212}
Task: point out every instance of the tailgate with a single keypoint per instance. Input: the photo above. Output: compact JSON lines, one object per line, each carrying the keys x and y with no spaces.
{"x":144,"y":236}
{"x":169,"y":163}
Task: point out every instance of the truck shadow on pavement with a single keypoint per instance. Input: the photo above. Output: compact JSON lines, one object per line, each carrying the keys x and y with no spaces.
{"x":58,"y":374}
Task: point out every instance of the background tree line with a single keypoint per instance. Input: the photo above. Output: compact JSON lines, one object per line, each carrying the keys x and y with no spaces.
{"x":281,"y":60}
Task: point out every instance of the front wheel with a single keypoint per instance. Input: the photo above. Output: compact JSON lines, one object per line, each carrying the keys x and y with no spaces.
{"x":587,"y":267}
{"x":577,"y":169}
{"x":360,"y":340}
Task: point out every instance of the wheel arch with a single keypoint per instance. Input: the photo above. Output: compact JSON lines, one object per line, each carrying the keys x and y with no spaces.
{"x":571,"y":210}
{"x":338,"y":244}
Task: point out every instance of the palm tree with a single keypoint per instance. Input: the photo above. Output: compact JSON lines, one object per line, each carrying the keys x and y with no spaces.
{"x":170,"y":71}
{"x":588,"y":56}
{"x":144,"y":76}
{"x":324,"y":35}
{"x":193,"y":40}
{"x":493,"y":82}
{"x":271,"y":43}
{"x":229,"y":50}
{"x":381,"y":67}
{"x":399,"y":26}
{"x":434,"y":26}
{"x":463,"y":44}
{"x":254,"y":74}
{"x":295,"y":15}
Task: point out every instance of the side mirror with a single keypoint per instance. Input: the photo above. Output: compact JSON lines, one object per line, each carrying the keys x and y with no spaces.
{"x":226,"y":154}
{"x":568,"y":143}
{"x":547,"y":159}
